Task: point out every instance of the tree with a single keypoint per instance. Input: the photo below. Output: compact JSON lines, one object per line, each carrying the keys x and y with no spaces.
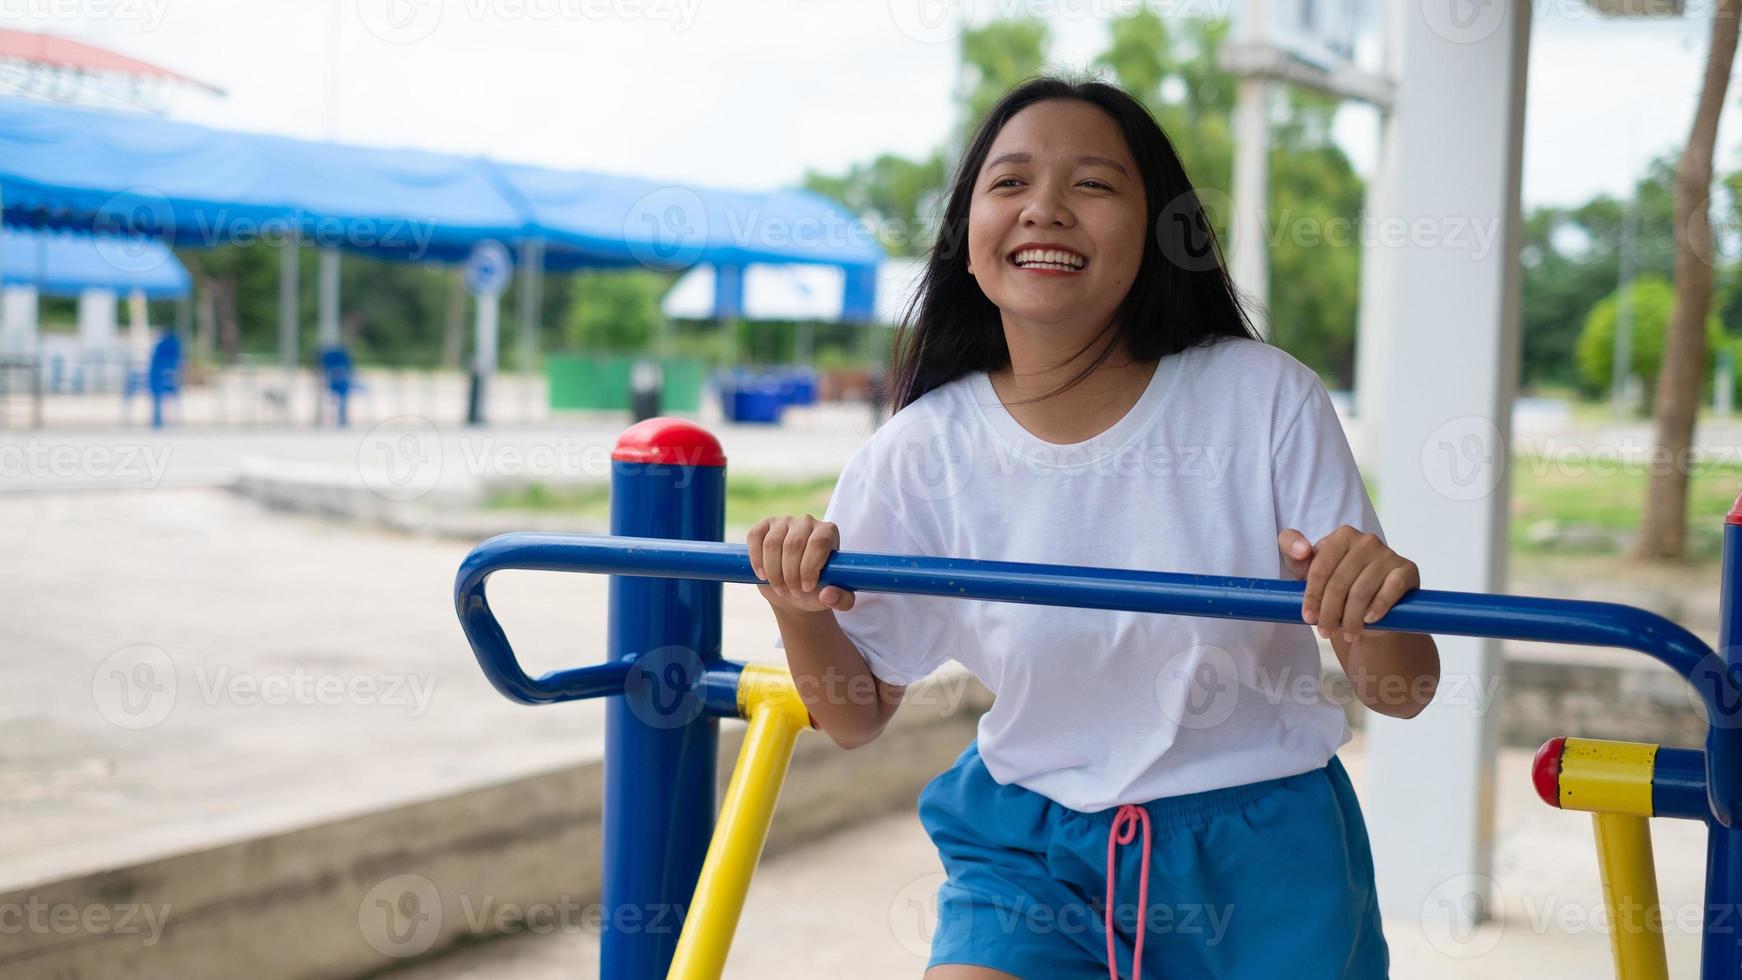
{"x":1653,"y":300}
{"x":615,"y":311}
{"x":995,"y":58}
{"x":1663,"y":530}
{"x":892,"y":193}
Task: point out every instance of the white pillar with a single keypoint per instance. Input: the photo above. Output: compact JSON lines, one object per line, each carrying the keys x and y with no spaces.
{"x":97,"y":320}
{"x":1452,"y":175}
{"x":1249,"y":257}
{"x":18,"y":333}
{"x":1378,"y":272}
{"x":97,"y":335}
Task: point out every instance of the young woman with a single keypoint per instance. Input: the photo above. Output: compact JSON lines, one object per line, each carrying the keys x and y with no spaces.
{"x":1079,"y":385}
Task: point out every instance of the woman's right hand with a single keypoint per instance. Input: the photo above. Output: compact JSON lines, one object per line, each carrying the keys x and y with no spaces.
{"x":789,"y":553}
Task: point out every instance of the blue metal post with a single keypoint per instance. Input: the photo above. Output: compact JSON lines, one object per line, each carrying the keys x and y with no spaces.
{"x":668,"y":480}
{"x":1721,"y":943}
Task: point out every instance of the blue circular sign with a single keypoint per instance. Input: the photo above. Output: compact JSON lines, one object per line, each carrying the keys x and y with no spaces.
{"x":488,"y":269}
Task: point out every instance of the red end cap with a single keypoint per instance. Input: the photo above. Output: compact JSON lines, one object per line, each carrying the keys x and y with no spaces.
{"x":1545,"y":772}
{"x":677,"y":442}
{"x":1735,"y":515}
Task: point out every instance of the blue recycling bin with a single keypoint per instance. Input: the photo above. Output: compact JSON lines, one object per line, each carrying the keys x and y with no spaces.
{"x":748,"y":397}
{"x":798,"y":386}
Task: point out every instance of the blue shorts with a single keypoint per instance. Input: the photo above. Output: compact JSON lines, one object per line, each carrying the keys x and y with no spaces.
{"x":1271,"y":879}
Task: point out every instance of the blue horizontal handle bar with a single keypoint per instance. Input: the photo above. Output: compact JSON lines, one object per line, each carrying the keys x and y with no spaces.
{"x":1227,"y":597}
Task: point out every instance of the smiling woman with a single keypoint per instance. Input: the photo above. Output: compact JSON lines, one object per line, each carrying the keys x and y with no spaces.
{"x":1074,"y":324}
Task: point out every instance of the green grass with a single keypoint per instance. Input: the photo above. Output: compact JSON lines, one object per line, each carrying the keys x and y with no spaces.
{"x":748,"y":499}
{"x":1611,"y":499}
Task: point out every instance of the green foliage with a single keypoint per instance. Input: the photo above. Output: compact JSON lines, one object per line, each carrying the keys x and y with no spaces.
{"x":892,"y":193}
{"x":1572,"y":259}
{"x":615,"y":311}
{"x":995,"y":58}
{"x":1653,"y":301}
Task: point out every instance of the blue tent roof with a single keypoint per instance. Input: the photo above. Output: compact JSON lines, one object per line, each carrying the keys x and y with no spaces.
{"x":89,"y":169}
{"x":60,"y":264}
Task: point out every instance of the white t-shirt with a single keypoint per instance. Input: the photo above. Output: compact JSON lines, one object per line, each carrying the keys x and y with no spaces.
{"x":1228,"y":445}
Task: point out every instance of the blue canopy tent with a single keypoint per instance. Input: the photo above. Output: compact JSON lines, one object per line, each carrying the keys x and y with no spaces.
{"x":95,"y":171}
{"x":59,"y":264}
{"x":91,"y":170}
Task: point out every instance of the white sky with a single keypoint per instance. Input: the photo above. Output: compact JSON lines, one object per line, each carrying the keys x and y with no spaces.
{"x":749,"y":93}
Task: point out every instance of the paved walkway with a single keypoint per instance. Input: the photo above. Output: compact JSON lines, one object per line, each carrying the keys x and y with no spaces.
{"x":183,"y":667}
{"x":860,"y":905}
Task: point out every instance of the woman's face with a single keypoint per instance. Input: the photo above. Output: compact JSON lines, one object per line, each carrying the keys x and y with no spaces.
{"x":1058,"y":178}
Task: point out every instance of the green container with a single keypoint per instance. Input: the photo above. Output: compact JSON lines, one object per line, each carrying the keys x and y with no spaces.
{"x":601,"y":382}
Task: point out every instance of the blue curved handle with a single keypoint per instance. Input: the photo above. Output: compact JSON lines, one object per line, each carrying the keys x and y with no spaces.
{"x":1226,"y":597}
{"x":490,"y":644}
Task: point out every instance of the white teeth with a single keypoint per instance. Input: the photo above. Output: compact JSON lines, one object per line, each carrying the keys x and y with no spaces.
{"x":1048,"y":258}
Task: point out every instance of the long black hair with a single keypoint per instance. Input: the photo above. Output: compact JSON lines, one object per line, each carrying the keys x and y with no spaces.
{"x":1182,"y":295}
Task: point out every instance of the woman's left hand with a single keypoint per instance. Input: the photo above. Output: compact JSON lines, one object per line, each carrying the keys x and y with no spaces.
{"x":1352,"y":578}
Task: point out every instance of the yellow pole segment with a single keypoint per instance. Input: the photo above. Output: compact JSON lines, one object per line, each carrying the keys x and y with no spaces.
{"x":767,"y":697}
{"x":1604,"y":776}
{"x":1630,"y":896}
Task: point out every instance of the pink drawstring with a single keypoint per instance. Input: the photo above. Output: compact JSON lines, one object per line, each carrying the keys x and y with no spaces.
{"x":1124,"y":829}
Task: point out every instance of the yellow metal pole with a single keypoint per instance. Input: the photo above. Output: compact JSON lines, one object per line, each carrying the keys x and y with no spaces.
{"x":1630,"y":896}
{"x":767,"y":697}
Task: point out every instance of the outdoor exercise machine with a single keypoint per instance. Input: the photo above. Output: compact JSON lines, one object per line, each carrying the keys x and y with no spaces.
{"x":666,"y":683}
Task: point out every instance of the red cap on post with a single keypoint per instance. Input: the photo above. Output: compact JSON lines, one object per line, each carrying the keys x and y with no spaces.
{"x":1545,"y":772}
{"x":675,"y":442}
{"x":1735,"y":515}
